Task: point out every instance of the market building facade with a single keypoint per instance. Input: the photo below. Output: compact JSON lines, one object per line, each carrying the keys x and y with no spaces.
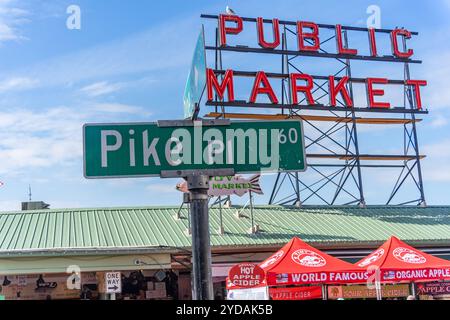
{"x":65,"y":254}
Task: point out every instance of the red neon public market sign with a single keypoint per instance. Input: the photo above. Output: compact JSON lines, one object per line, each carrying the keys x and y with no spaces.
{"x":220,"y":85}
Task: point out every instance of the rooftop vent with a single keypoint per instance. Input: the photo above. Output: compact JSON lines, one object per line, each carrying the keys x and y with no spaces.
{"x":34,"y":205}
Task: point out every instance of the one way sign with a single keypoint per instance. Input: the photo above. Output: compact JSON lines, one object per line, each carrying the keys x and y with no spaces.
{"x":113,"y":282}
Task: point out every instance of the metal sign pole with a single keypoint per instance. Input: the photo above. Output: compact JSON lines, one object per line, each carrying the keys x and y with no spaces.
{"x":198,"y":186}
{"x":251,"y":212}
{"x":221,"y":228}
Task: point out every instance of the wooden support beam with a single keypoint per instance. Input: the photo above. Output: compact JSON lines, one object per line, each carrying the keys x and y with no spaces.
{"x":365,"y":157}
{"x":385,"y":121}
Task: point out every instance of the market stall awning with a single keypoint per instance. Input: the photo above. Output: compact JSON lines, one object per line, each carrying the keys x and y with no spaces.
{"x":397,"y":262}
{"x":299,"y":263}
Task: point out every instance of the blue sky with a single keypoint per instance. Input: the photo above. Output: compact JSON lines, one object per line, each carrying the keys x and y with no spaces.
{"x":129,"y":62}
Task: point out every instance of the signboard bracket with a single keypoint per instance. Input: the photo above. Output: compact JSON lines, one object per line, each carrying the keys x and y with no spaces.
{"x":205,"y":172}
{"x":196,"y":111}
{"x":190,"y":123}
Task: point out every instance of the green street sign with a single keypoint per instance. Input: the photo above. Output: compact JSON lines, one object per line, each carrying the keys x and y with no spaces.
{"x":172,"y":148}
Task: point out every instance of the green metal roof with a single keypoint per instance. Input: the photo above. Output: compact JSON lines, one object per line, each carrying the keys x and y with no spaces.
{"x":75,"y":230}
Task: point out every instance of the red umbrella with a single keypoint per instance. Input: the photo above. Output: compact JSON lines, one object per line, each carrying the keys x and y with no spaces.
{"x":298,"y":263}
{"x":399,"y":262}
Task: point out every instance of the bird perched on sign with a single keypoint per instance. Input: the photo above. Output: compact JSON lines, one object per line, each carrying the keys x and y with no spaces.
{"x":230,"y":11}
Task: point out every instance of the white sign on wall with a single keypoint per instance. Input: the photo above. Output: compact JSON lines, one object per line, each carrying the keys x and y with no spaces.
{"x":261,"y":293}
{"x":113,"y":282}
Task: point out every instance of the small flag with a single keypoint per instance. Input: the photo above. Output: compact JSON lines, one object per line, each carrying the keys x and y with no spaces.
{"x":282,"y":278}
{"x":389,"y":275}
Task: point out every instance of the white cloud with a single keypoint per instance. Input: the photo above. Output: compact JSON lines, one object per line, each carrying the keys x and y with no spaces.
{"x":436,"y":164}
{"x":159,"y":48}
{"x":438,"y":150}
{"x":7,"y":33}
{"x":438,"y":174}
{"x":10,"y":18}
{"x":36,"y":140}
{"x":18,"y":83}
{"x":31,"y":139}
{"x":120,"y":108}
{"x":64,"y":204}
{"x":51,"y":138}
{"x":10,"y":205}
{"x":100,"y":88}
{"x":439,"y":121}
{"x":436,"y":95}
{"x":159,"y":188}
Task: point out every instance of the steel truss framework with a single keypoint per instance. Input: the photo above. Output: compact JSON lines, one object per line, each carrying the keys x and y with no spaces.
{"x":334,"y":160}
